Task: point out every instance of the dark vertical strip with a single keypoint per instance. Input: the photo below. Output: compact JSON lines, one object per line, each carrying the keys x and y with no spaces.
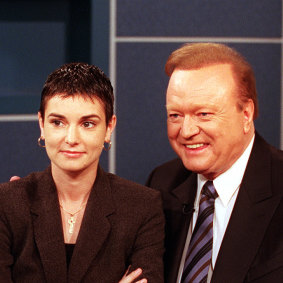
{"x":100,"y":30}
{"x":78,"y":31}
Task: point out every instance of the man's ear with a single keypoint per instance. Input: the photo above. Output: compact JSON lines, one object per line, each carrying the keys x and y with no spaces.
{"x":248,"y":111}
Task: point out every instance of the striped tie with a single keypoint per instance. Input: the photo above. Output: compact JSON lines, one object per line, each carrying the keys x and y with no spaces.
{"x":199,"y":253}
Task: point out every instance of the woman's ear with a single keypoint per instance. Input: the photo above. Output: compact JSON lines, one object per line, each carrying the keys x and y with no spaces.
{"x":41,"y":124}
{"x":110,"y":128}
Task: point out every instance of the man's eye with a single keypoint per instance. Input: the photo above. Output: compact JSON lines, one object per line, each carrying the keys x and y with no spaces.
{"x":174,"y":115}
{"x":205,"y":114}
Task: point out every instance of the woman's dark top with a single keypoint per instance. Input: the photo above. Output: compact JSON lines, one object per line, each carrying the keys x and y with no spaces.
{"x":69,"y":252}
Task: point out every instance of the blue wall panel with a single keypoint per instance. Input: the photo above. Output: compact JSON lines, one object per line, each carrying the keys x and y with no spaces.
{"x":252,"y":18}
{"x":28,"y":52}
{"x":141,"y":128}
{"x":20,"y":153}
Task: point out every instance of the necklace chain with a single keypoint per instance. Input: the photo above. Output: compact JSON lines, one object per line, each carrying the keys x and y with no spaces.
{"x":74,"y":213}
{"x":72,"y":220}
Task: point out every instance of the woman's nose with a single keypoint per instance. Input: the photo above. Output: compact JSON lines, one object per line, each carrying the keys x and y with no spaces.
{"x":72,"y":136}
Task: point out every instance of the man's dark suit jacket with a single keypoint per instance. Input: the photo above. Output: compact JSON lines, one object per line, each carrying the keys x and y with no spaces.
{"x":252,"y":247}
{"x":123,"y":225}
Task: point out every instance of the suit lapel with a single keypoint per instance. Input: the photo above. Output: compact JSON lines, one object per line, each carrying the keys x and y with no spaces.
{"x":178,"y":217}
{"x":95,"y":228}
{"x":46,"y":219}
{"x":186,"y":192}
{"x":251,"y":214}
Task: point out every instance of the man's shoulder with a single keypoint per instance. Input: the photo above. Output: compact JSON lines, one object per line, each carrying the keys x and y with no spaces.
{"x":175,"y":163}
{"x":121,"y":185}
{"x":168,"y":174}
{"x":263,"y":151}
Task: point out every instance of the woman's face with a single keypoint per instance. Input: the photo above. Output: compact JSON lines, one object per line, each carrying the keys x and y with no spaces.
{"x":74,"y":129}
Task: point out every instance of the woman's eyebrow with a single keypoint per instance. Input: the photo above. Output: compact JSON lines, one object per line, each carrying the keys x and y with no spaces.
{"x":56,"y":115}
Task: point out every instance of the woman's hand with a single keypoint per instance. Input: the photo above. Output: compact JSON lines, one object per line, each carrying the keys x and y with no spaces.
{"x":129,"y":278}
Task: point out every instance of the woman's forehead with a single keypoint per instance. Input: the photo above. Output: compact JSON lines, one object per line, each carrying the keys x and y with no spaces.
{"x":74,"y":104}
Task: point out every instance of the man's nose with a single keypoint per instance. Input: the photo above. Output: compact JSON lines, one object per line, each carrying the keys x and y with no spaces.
{"x":189,"y":127}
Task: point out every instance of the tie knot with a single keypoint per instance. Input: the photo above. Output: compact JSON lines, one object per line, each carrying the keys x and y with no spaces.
{"x":209,"y":190}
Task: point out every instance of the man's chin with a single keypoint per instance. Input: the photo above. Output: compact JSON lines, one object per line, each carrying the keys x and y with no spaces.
{"x":194,"y":167}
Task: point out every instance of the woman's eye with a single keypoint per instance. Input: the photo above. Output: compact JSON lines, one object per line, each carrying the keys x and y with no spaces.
{"x":88,"y":124}
{"x":57,"y":123}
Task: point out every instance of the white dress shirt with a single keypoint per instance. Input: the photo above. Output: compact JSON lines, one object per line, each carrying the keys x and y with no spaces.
{"x":227,"y":186}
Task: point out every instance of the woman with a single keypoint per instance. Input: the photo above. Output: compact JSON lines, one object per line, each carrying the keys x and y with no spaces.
{"x":74,"y":222}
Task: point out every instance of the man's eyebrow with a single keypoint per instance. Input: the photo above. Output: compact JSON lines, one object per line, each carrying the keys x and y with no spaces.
{"x":170,"y":107}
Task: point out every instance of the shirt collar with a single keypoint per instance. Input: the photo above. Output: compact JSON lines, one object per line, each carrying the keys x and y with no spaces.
{"x":228,"y":182}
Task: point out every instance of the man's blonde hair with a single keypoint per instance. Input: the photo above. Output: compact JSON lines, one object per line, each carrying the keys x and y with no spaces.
{"x":198,"y":55}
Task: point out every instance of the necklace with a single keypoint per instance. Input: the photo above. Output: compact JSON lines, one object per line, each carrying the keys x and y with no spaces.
{"x":72,"y":219}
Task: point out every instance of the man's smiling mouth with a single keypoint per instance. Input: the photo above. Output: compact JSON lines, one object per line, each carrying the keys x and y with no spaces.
{"x":194,"y":146}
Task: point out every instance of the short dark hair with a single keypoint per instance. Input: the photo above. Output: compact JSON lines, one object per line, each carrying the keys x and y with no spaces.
{"x":197,"y":55}
{"x":79,"y":79}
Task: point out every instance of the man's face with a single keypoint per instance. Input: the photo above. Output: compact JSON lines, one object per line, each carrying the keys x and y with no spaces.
{"x":206,"y":127}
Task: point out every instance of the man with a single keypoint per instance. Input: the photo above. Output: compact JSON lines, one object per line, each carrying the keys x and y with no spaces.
{"x":211,"y":105}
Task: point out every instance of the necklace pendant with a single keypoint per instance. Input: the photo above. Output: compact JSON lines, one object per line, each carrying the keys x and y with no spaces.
{"x":71,"y":222}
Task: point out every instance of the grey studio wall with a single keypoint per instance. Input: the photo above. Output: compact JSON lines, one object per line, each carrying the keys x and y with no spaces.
{"x":130,"y":40}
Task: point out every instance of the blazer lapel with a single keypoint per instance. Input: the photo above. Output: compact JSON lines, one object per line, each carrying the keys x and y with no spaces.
{"x":251,"y":214}
{"x":95,"y":228}
{"x":46,"y":219}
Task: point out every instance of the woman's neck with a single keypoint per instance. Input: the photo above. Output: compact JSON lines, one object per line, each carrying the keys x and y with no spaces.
{"x":73,"y":186}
